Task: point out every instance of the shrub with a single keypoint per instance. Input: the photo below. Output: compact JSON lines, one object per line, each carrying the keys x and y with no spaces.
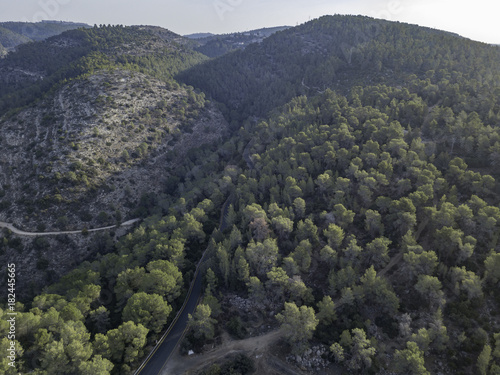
{"x":103,"y":217}
{"x":236,"y":327}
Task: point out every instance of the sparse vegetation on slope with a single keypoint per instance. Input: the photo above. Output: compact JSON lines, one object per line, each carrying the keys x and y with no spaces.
{"x":37,"y":68}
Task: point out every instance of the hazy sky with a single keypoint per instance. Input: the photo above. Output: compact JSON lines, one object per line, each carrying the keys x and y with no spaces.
{"x":478,"y":20}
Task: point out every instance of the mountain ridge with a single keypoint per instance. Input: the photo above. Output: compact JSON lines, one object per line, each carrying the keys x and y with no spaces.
{"x":331,"y":49}
{"x":216,"y":45}
{"x":75,"y":53}
{"x":13,"y":34}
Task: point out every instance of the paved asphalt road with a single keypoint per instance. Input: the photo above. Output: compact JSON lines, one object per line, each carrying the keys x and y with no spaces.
{"x":159,"y":356}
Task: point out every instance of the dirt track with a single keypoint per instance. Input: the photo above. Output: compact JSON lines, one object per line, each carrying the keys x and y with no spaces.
{"x":36,"y":234}
{"x":258,"y":348}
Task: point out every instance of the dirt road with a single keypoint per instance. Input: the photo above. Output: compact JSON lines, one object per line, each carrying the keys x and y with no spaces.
{"x":37,"y":234}
{"x":258,"y":348}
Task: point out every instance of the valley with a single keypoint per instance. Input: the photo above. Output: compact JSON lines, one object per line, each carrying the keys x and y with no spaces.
{"x":342,"y":192}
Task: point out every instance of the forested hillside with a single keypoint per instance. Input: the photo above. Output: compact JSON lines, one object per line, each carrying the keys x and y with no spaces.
{"x":340,"y":52}
{"x":354,"y":206}
{"x":376,"y":244}
{"x":364,"y":214}
{"x":453,"y":82}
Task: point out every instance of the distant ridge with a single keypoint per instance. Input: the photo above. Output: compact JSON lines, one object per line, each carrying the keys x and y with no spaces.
{"x":217,"y":45}
{"x":199,"y":35}
{"x":13,"y":34}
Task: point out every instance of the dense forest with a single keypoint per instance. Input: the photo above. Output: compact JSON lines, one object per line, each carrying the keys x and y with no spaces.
{"x":340,"y":52}
{"x":368,"y":237}
{"x":359,"y":200}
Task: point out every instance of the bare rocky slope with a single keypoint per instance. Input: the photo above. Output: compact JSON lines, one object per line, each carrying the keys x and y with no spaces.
{"x":84,"y":156}
{"x":92,"y":122}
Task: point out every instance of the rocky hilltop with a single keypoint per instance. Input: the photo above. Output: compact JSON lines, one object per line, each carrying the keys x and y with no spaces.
{"x":97,"y":126}
{"x":85,"y":155}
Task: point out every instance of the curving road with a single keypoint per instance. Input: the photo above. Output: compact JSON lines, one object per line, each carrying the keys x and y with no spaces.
{"x":157,"y":359}
{"x":159,"y":356}
{"x":19,"y":232}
